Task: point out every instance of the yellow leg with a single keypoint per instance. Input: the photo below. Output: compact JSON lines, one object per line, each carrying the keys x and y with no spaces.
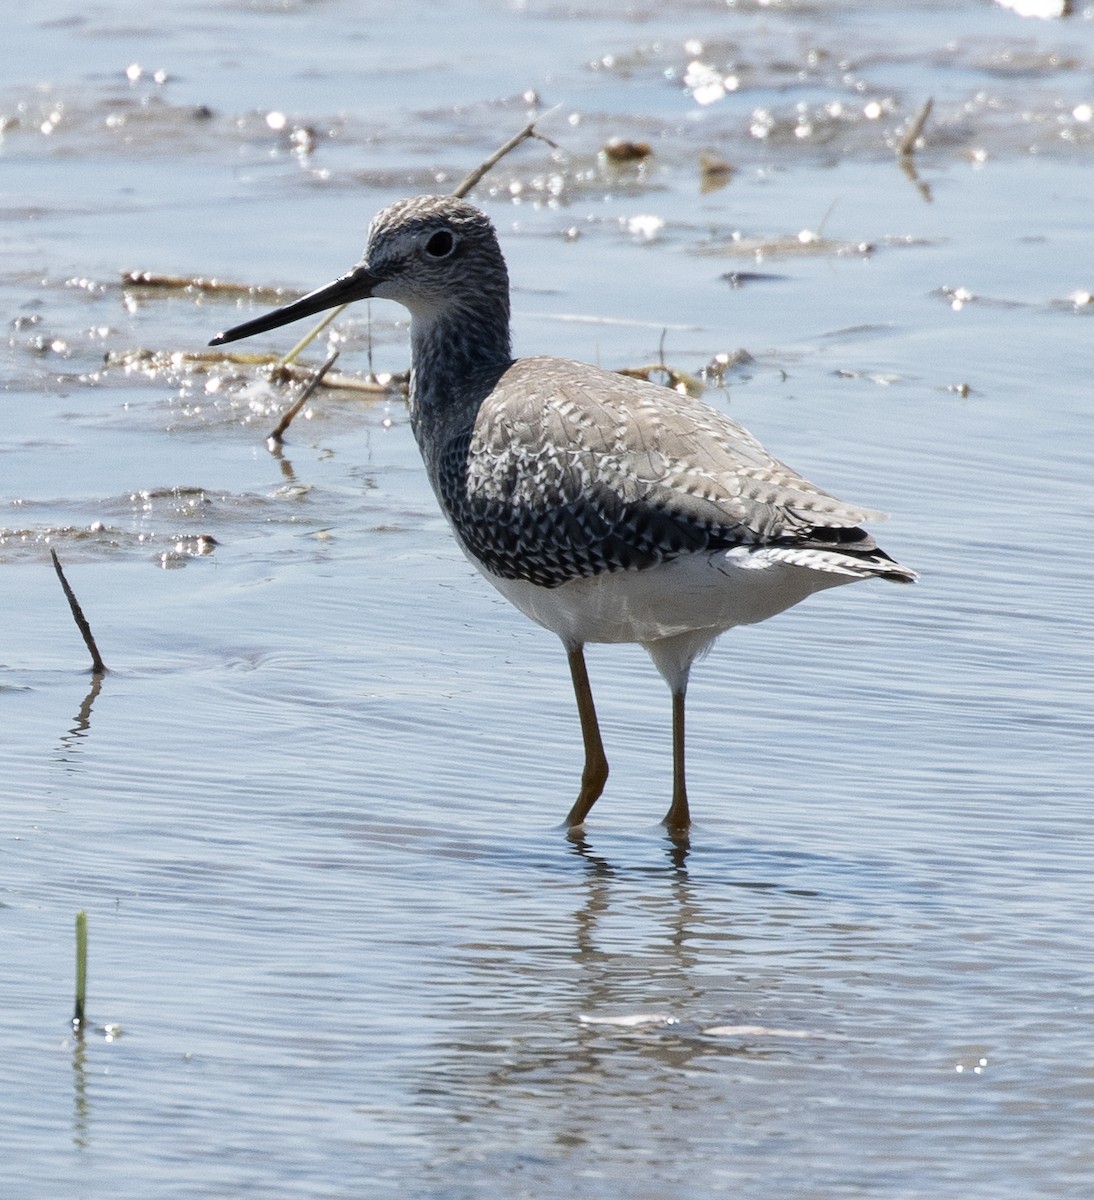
{"x":678,"y":818}
{"x":595,"y":774}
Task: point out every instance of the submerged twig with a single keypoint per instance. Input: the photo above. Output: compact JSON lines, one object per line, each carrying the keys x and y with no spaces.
{"x":277,"y":436}
{"x":907,"y":148}
{"x":81,"y":973}
{"x":97,"y":664}
{"x":907,"y":145}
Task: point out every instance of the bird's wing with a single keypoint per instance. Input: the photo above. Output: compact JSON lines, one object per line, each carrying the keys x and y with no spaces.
{"x":571,"y":470}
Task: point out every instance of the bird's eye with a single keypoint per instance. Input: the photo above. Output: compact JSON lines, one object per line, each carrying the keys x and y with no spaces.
{"x":440,"y":245}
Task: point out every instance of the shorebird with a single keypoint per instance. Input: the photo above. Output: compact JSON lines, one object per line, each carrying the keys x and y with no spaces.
{"x":606,"y":508}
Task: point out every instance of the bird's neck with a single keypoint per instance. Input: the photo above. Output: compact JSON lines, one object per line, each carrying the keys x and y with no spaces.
{"x":457,"y":356}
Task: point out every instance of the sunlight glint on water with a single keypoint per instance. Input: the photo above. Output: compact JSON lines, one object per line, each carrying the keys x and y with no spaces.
{"x":312,"y":810}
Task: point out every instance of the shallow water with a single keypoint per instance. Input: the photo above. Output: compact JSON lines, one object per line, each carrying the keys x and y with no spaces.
{"x":312,"y":809}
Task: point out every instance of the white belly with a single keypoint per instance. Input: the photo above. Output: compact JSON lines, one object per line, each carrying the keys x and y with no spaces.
{"x":697,"y":596}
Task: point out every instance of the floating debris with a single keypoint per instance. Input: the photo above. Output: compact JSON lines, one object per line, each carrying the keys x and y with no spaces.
{"x":1047,"y":10}
{"x":199,"y":283}
{"x":805,"y":242}
{"x":958,"y":297}
{"x":679,"y":381}
{"x":714,"y":172}
{"x":629,"y":1020}
{"x":739,"y":279}
{"x":620,"y":151}
{"x":763,"y":1031}
{"x":722,"y":364}
{"x":157,"y":361}
{"x":881,"y":378}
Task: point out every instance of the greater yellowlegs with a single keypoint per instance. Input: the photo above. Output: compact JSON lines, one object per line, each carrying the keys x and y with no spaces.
{"x":606,"y":508}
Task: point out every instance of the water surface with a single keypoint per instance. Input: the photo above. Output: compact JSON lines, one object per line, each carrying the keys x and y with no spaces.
{"x":312,"y":810}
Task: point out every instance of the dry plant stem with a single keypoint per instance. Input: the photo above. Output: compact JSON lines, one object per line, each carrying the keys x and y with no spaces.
{"x":97,"y":664}
{"x":529,"y":131}
{"x":308,"y":338}
{"x":278,"y":434}
{"x":908,"y":141}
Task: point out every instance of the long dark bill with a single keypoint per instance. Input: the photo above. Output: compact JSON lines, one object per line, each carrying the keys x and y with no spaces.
{"x":357,"y":285}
